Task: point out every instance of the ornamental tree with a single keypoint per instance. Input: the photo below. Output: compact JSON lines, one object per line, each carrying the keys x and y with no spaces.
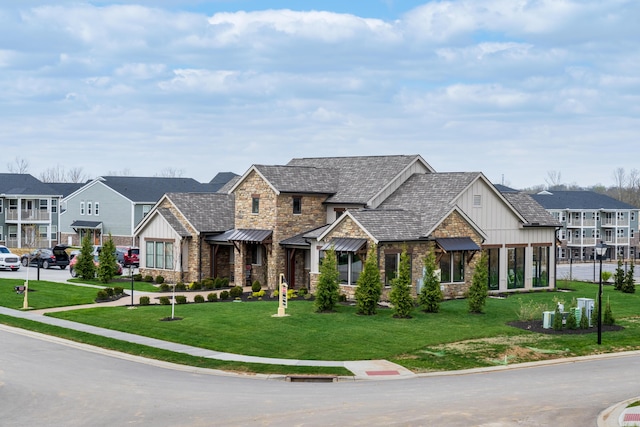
{"x":369,"y":287}
{"x":108,"y":265}
{"x":328,"y":289}
{"x":430,"y":294}
{"x":478,"y":291}
{"x":400,"y":295}
{"x":84,"y":266}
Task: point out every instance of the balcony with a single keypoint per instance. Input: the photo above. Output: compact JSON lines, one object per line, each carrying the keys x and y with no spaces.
{"x":28,"y":215}
{"x":613,"y":223}
{"x":576,"y":223}
{"x":585,"y":241}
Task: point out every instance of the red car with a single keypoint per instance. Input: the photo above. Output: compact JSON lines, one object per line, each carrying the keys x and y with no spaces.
{"x":128,"y":255}
{"x":96,"y":262}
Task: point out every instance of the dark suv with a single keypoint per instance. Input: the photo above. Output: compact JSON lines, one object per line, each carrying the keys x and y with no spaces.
{"x":47,"y":257}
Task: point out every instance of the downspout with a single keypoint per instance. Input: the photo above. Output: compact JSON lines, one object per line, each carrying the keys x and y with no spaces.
{"x":199,"y":257}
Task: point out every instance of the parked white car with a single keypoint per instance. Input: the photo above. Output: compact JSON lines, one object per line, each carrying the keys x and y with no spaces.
{"x":8,"y":260}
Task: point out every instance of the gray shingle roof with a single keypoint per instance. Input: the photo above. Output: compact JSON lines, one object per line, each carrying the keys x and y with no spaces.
{"x":65,"y":188}
{"x":300,"y":179}
{"x":151,"y":189}
{"x":207,"y":212}
{"x":579,"y":200}
{"x":360,"y":177}
{"x":174,"y":222}
{"x":24,"y":184}
{"x":531,"y":210}
{"x":429,"y":192}
{"x":390,"y":225}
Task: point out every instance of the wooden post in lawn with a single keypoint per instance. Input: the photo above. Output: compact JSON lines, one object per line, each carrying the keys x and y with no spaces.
{"x":282,"y":297}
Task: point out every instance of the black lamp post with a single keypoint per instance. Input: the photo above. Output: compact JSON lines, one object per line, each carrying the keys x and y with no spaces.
{"x":601,"y":250}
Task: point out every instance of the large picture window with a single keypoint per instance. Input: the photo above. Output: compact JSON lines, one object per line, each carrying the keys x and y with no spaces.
{"x":541,"y":267}
{"x":515,"y":266}
{"x":159,"y":255}
{"x":452,"y":267}
{"x":349,"y":267}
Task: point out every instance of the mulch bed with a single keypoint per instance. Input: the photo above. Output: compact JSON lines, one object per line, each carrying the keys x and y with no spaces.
{"x":536,"y":326}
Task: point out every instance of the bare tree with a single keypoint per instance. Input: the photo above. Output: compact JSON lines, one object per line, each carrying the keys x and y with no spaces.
{"x":53,"y":174}
{"x":620,"y":179}
{"x":76,"y":175}
{"x":554,"y":180}
{"x":123,"y":172}
{"x":20,"y":165}
{"x":59,"y":174}
{"x":170,"y":173}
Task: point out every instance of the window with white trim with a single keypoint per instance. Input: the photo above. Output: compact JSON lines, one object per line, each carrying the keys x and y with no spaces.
{"x":159,"y":255}
{"x":96,"y":209}
{"x":256,"y":254}
{"x":89,"y":208}
{"x":54,"y":205}
{"x":477,"y":200}
{"x":1,"y":233}
{"x":81,"y":208}
{"x":54,"y":232}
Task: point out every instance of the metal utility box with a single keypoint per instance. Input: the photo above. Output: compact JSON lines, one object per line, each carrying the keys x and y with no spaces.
{"x":588,"y":304}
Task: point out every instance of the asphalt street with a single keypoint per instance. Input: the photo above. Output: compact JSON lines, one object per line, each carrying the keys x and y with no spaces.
{"x":46,"y":382}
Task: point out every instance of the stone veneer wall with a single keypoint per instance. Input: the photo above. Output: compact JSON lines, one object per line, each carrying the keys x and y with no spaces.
{"x":453,"y":226}
{"x":456,"y":226}
{"x":276,"y":214}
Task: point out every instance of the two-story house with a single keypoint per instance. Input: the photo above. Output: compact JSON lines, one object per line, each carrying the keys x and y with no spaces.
{"x":286,"y":217}
{"x":28,"y":212}
{"x":116,"y":204}
{"x":587,"y":218}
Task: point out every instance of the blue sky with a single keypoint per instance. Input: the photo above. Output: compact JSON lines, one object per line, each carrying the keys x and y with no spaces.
{"x":515,"y":89}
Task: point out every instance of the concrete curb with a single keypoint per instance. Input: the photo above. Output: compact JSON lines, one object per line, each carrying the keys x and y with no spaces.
{"x":610,"y":417}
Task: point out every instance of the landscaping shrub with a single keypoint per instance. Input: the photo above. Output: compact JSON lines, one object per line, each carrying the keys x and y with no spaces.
{"x":557,"y":319}
{"x":159,"y":279}
{"x":85,"y":268}
{"x":145,"y":300}
{"x":368,"y":286}
{"x":108,"y":265}
{"x":218,"y":283}
{"x":212,"y":297}
{"x":303,"y":291}
{"x":164,"y":300}
{"x":572,"y":322}
{"x":195,"y":286}
{"x":328,"y":289}
{"x":224,"y":295}
{"x":118,"y":290}
{"x":584,"y":320}
{"x":607,"y":316}
{"x":400,"y":295}
{"x":208,"y":283}
{"x":102,"y":295}
{"x":256,"y":286}
{"x":165,"y":287}
{"x":430,"y":295}
{"x":181,"y":286}
{"x":225,"y":282}
{"x":478,"y":291}
{"x":236,"y":292}
{"x":198,"y":298}
{"x":148,"y":278}
{"x":530,"y":310}
{"x":137,"y":277}
{"x":629,"y":284}
{"x":259,"y":294}
{"x":181,"y":299}
{"x":109,"y":292}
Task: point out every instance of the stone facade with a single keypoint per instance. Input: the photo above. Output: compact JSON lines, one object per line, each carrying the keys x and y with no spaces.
{"x":453,"y":226}
{"x":275,"y":214}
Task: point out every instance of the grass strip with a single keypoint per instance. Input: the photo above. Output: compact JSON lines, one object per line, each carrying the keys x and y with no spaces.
{"x":169,"y":356}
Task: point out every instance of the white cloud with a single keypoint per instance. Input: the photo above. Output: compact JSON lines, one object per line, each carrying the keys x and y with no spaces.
{"x":508,"y":76}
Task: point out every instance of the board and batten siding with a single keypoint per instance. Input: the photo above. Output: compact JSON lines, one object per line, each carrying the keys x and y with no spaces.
{"x":159,"y":229}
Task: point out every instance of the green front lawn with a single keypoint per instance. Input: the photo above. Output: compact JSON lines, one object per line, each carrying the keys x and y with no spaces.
{"x":122,"y":282}
{"x":451,"y":339}
{"x":44,"y":294}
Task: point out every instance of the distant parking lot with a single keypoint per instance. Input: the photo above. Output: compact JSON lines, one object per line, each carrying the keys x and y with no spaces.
{"x":589,"y":271}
